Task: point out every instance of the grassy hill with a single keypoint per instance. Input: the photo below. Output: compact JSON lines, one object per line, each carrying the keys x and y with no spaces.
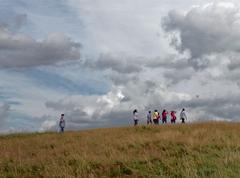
{"x":174,"y":151}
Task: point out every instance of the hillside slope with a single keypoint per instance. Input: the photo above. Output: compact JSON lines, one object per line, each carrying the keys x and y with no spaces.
{"x":174,"y":151}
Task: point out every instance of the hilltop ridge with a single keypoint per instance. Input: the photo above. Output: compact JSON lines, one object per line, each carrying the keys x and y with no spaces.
{"x":174,"y":151}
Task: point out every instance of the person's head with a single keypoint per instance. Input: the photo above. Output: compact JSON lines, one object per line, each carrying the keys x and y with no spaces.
{"x":149,"y":112}
{"x":62,"y":115}
{"x":134,"y":111}
{"x":164,"y":110}
{"x":155,"y":110}
{"x":183,"y":109}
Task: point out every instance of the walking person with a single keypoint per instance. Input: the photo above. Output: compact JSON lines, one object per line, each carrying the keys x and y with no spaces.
{"x":183,"y":116}
{"x":173,"y":117}
{"x":164,"y":116}
{"x":155,"y":117}
{"x":135,"y":117}
{"x":149,"y":118}
{"x":62,"y":123}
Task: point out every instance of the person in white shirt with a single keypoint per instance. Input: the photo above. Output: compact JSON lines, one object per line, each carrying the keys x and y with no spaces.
{"x":135,"y":117}
{"x":183,"y":116}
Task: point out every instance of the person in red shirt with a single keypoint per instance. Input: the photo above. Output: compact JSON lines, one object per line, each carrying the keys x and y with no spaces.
{"x":164,"y":116}
{"x":173,"y":117}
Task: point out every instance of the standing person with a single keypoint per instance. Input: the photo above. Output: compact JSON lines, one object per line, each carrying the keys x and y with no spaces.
{"x":164,"y":116}
{"x":173,"y":117}
{"x":135,"y":117}
{"x":183,"y":116}
{"x":149,"y":117}
{"x":62,"y":123}
{"x":155,"y":117}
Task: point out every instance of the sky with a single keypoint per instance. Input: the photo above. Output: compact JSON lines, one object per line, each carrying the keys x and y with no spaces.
{"x":98,"y":60}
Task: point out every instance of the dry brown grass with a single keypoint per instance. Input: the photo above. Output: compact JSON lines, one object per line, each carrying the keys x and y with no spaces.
{"x":193,"y":150}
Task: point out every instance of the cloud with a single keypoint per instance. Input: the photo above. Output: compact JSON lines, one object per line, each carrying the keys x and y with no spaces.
{"x":214,"y":108}
{"x":120,"y":64}
{"x":204,"y":30}
{"x":4,"y":110}
{"x":4,"y":115}
{"x":14,"y":22}
{"x":122,"y":69}
{"x":19,"y":50}
{"x":177,"y":76}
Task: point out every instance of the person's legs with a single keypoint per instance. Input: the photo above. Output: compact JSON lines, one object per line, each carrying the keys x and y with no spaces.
{"x":135,"y":122}
{"x":62,"y":129}
{"x":164,"y":120}
{"x":183,"y":120}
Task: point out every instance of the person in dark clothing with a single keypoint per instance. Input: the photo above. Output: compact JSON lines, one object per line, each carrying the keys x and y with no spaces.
{"x":62,"y":123}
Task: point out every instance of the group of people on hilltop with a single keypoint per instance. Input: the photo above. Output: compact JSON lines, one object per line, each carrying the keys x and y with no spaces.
{"x":154,"y":117}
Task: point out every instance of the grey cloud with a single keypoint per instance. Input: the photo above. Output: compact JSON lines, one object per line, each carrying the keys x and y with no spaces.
{"x":126,"y":69}
{"x":234,"y":61}
{"x":120,"y":117}
{"x":118,"y":64}
{"x":122,"y":79}
{"x":4,"y":114}
{"x":59,"y":106}
{"x":223,"y":107}
{"x":112,"y":118}
{"x":177,"y":76}
{"x":20,"y":20}
{"x":17,"y":50}
{"x":4,"y":110}
{"x":78,"y":116}
{"x":169,"y":62}
{"x":14,"y":22}
{"x":204,"y":31}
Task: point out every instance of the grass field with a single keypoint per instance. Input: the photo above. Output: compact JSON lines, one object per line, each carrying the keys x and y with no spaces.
{"x":174,"y":151}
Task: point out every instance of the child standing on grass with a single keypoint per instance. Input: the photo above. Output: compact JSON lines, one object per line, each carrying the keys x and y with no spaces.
{"x":155,"y":117}
{"x":173,"y":117}
{"x":149,"y":117}
{"x":62,"y":123}
{"x":164,"y":116}
{"x":135,"y":117}
{"x":183,"y":116}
